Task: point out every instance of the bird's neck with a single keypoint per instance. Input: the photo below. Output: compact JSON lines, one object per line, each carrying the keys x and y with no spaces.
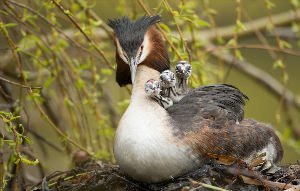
{"x":143,"y":74}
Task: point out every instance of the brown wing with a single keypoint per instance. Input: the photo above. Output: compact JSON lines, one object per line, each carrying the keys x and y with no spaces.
{"x":233,"y":140}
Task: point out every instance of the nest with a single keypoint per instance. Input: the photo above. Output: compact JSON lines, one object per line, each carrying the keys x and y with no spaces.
{"x":97,"y":176}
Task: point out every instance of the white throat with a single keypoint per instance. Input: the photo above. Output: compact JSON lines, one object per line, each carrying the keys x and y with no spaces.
{"x":143,"y":74}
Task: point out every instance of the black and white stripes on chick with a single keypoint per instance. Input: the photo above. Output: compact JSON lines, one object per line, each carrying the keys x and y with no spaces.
{"x":153,"y":89}
{"x":183,"y":71}
{"x":168,"y":85}
{"x":171,"y":88}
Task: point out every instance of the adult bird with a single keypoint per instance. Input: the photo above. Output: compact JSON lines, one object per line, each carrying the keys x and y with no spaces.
{"x":153,"y":144}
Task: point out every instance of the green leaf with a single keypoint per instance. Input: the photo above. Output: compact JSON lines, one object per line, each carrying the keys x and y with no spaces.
{"x":165,"y":27}
{"x":175,"y":13}
{"x":68,"y":102}
{"x":67,"y":12}
{"x":9,"y":25}
{"x":48,"y":82}
{"x":106,"y":71}
{"x":27,"y":140}
{"x":28,"y":42}
{"x":269,"y":4}
{"x":284,"y":44}
{"x":203,"y":23}
{"x":80,"y":83}
{"x":3,"y":12}
{"x":278,"y":64}
{"x":36,"y":96}
{"x":24,"y":160}
{"x":231,"y":42}
{"x":238,"y":54}
{"x":239,"y":26}
{"x":96,"y":23}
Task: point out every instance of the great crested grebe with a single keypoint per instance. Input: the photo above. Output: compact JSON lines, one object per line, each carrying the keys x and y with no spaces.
{"x":153,"y":144}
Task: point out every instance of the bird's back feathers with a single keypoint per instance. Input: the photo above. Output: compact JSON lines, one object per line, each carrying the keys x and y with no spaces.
{"x":219,"y":102}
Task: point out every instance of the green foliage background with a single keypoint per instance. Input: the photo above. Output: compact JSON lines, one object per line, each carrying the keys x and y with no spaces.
{"x":58,"y":93}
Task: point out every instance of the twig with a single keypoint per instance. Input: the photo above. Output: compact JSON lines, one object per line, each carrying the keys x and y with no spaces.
{"x":42,"y":112}
{"x":18,"y":84}
{"x":49,"y":23}
{"x":257,"y":46}
{"x":264,"y":78}
{"x":183,"y":41}
{"x":95,"y":17}
{"x":257,"y":74}
{"x":211,"y":187}
{"x":251,"y":26}
{"x":142,"y":4}
{"x":223,"y":32}
{"x":260,"y":36}
{"x":66,"y":13}
{"x":252,"y":177}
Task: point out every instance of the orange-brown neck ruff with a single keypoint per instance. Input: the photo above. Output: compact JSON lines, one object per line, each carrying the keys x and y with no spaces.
{"x":157,"y":58}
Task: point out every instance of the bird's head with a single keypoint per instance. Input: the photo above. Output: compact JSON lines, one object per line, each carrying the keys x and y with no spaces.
{"x":152,"y":88}
{"x":183,"y":69}
{"x":137,"y":42}
{"x":167,"y":79}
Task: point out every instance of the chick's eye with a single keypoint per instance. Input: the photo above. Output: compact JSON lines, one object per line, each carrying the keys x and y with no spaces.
{"x":142,"y":47}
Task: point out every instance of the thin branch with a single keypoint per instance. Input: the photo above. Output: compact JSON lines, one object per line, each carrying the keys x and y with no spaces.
{"x":251,"y":26}
{"x":17,"y":58}
{"x":257,"y":74}
{"x":95,"y":17}
{"x":20,"y":85}
{"x":67,"y":14}
{"x":262,"y":77}
{"x":49,"y":23}
{"x":254,"y":178}
{"x":257,"y":46}
{"x":142,"y":4}
{"x":206,"y":35}
{"x":183,"y":41}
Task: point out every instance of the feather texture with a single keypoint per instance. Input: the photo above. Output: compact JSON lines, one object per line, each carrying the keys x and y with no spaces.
{"x":213,"y":101}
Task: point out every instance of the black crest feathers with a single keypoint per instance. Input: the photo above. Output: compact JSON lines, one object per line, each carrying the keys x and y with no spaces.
{"x":131,"y":33}
{"x":126,"y":26}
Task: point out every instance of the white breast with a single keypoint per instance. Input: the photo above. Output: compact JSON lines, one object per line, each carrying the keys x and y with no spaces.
{"x":144,"y":147}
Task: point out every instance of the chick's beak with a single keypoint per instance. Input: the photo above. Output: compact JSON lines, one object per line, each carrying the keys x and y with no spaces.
{"x":133,"y":66}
